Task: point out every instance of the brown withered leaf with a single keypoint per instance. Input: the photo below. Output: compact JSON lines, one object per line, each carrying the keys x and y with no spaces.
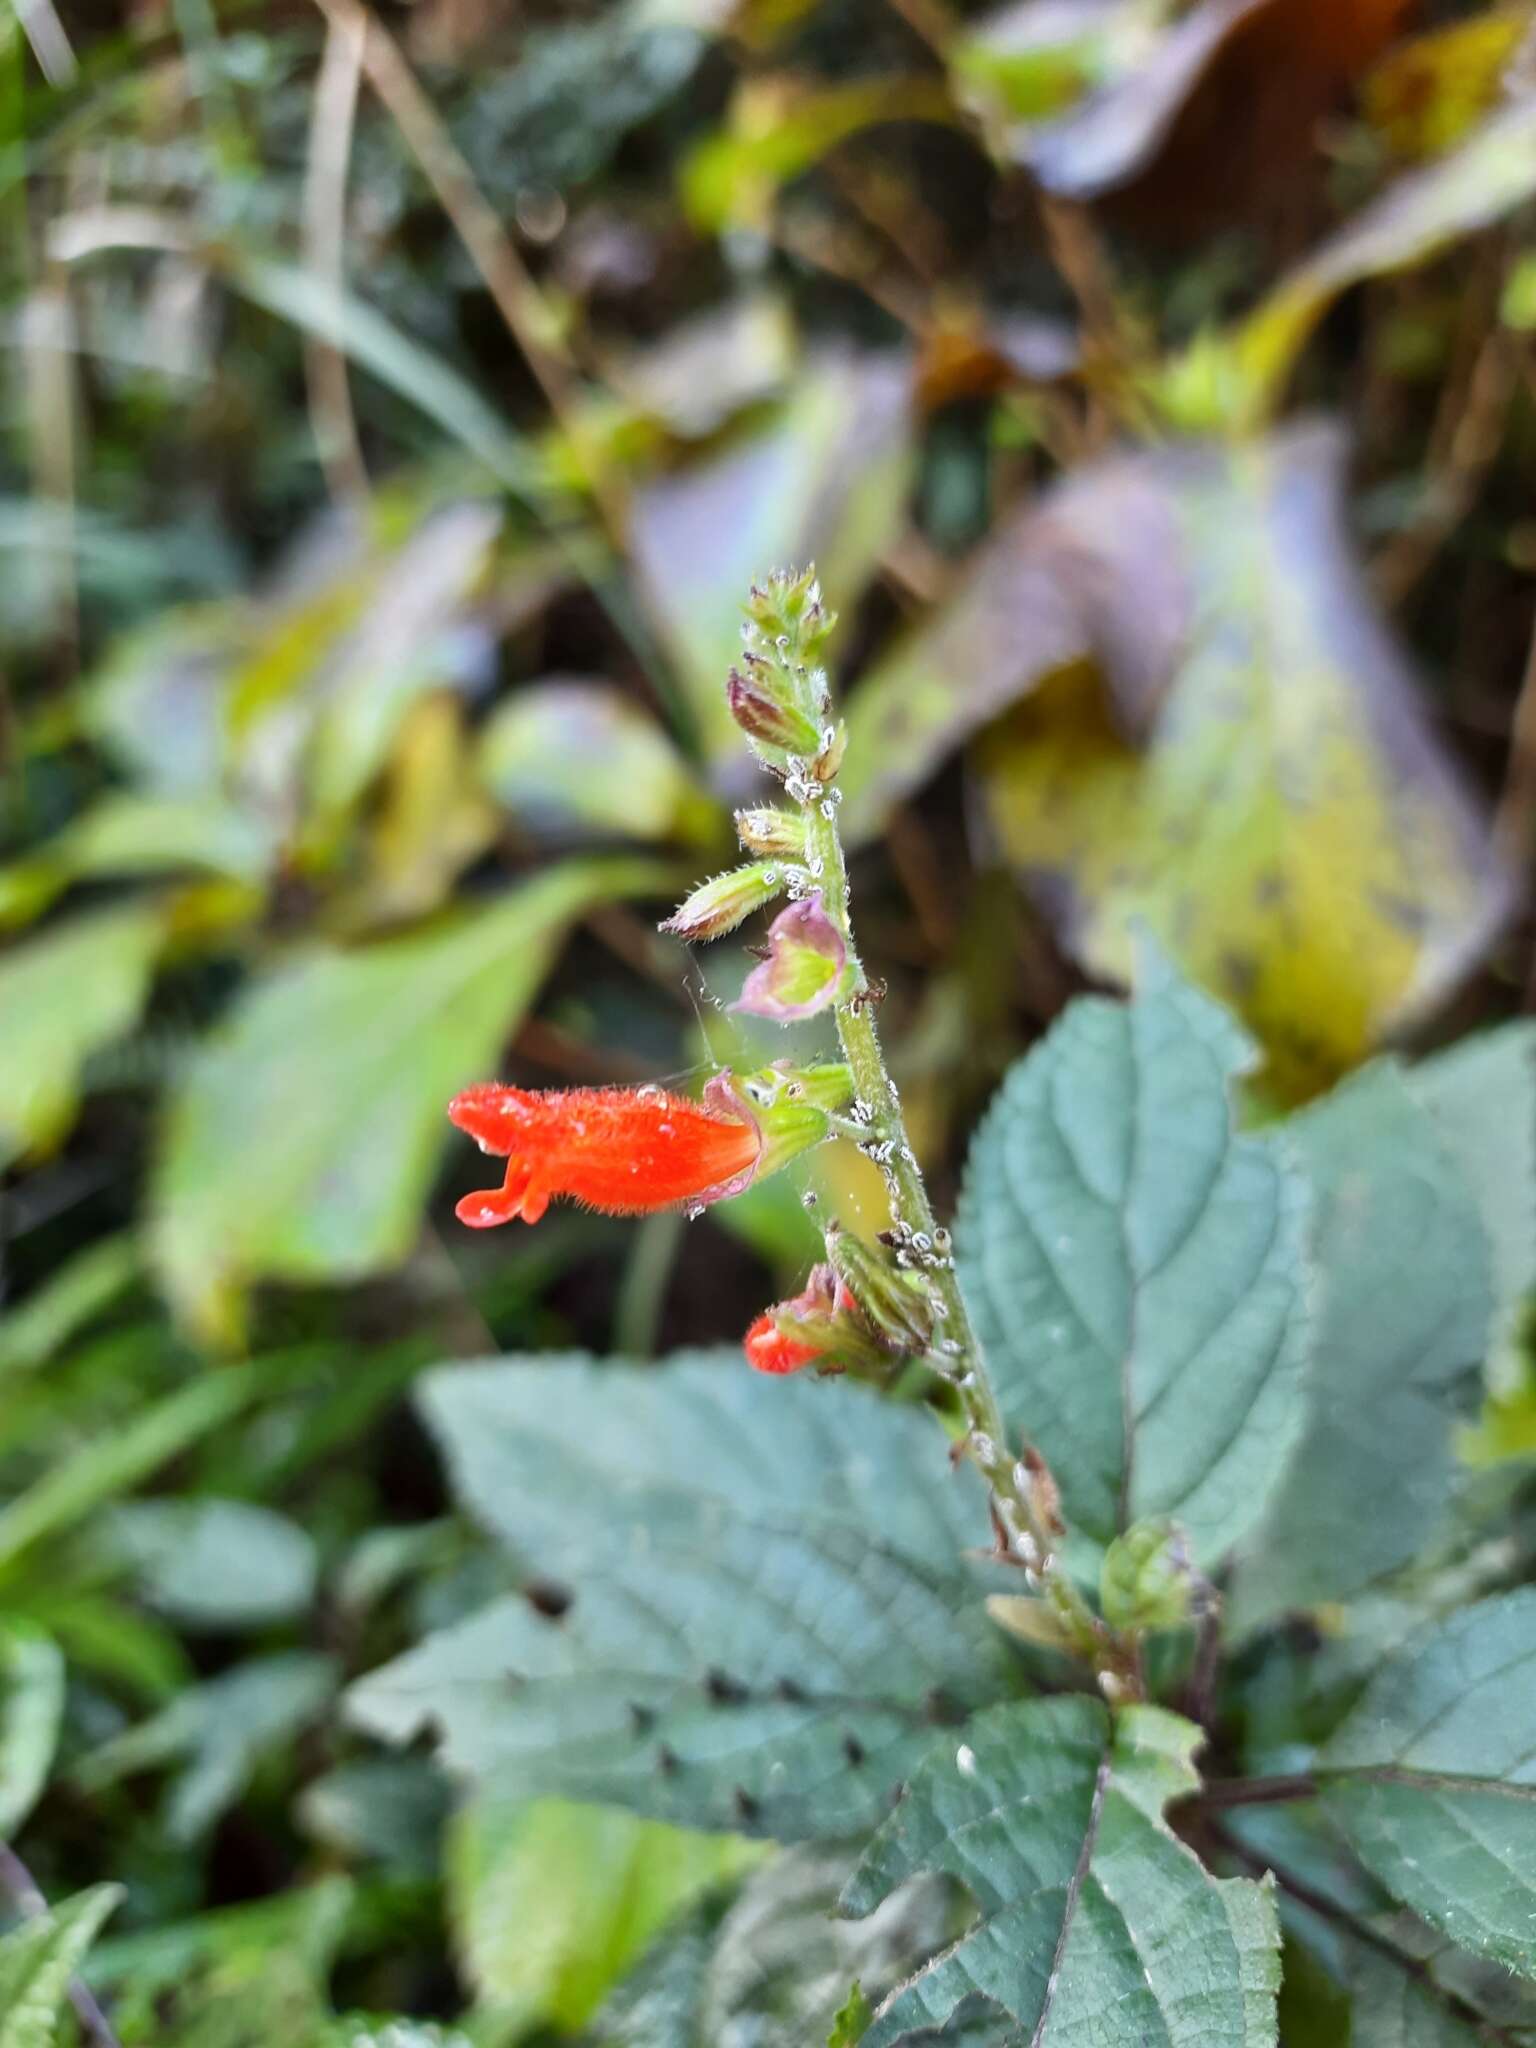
{"x":1092,"y":94}
{"x":1090,"y":574}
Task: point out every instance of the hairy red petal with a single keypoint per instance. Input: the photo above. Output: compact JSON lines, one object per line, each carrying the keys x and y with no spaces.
{"x":769,"y":1350}
{"x":623,"y":1150}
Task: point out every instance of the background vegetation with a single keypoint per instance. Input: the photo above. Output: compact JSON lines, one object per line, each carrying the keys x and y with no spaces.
{"x":400,"y":404}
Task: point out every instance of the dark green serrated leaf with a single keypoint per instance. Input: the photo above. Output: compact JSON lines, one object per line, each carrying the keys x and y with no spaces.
{"x":1401,"y":1315}
{"x":1096,"y":1924}
{"x":1136,"y":1268}
{"x":1432,"y":1777}
{"x":771,"y":1617}
{"x":1482,"y":1097}
{"x":533,"y":1444}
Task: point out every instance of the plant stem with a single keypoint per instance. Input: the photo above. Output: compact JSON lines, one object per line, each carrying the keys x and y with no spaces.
{"x":1024,"y":1522}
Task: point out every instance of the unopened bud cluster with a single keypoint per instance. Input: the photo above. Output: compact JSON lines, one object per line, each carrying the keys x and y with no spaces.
{"x":780,"y":696}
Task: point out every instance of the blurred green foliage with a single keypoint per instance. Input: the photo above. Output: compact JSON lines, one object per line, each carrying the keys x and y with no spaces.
{"x":400,"y":405}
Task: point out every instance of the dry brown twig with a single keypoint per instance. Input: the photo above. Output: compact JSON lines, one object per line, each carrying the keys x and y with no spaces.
{"x":333,"y":111}
{"x":516,"y":295}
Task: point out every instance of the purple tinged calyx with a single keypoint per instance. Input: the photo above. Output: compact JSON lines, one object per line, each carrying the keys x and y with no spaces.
{"x":804,"y":969}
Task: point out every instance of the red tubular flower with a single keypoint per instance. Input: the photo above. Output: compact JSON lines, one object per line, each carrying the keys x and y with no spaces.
{"x":623,"y":1150}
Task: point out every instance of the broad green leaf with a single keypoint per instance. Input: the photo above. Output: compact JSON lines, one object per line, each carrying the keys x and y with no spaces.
{"x":405,"y":639}
{"x":37,"y":1960}
{"x":1432,"y":1778}
{"x":770,"y":1617}
{"x":102,"y":1469}
{"x":1136,"y":1268}
{"x":552,"y":1903}
{"x":1482,"y":1097}
{"x":1492,"y":173}
{"x":1095,"y":1922}
{"x":1285,"y":749}
{"x":528,"y":1440}
{"x":1401,"y":1310}
{"x":215,"y":1564}
{"x":31,"y":1707}
{"x":302,"y":1142}
{"x":1392,"y":2009}
{"x":570,"y":758}
{"x":218,"y":1733}
{"x":825,"y":478}
{"x":149,"y":835}
{"x":123,"y":835}
{"x":65,"y":994}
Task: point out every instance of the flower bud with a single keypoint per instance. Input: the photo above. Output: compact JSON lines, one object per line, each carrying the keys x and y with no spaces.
{"x":787,"y":606}
{"x":897,"y":1305}
{"x":804,"y":968}
{"x":763,"y":704}
{"x":1146,"y":1581}
{"x":718,"y":906}
{"x":772,"y":832}
{"x":820,"y":1326}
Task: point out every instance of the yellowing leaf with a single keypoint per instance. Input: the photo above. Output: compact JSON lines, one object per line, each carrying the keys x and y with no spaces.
{"x":1425,"y":95}
{"x":1289,"y":827}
